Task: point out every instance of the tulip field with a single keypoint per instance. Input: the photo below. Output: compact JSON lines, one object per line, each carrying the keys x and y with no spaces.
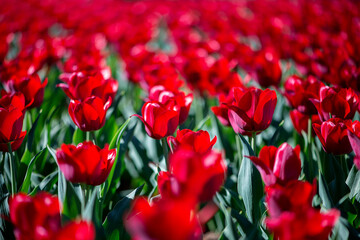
{"x":179,"y":120}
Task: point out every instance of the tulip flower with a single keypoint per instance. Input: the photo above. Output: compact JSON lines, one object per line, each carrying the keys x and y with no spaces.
{"x":252,"y":110}
{"x":35,"y":217}
{"x":291,"y":215}
{"x":31,"y":87}
{"x":160,"y":120}
{"x":278,"y":165}
{"x":89,"y":115}
{"x":333,"y":135}
{"x":163,"y":220}
{"x":300,"y":121}
{"x":199,"y":141}
{"x":11,"y":121}
{"x":337,"y":103}
{"x":299,"y":92}
{"x":196,"y":174}
{"x":85,"y":163}
{"x":221,"y":112}
{"x":160,"y":94}
{"x":354,"y":139}
{"x":76,"y":230}
{"x":81,"y":85}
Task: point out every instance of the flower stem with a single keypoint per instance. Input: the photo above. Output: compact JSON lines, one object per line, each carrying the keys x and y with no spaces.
{"x":12,"y":170}
{"x":309,"y":150}
{"x":93,"y":136}
{"x":165,"y":152}
{"x":253,"y":142}
{"x":88,"y":138}
{"x":343,"y":164}
{"x":239,"y":150}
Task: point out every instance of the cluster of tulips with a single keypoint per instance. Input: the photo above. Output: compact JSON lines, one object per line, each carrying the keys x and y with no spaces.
{"x":249,"y":119}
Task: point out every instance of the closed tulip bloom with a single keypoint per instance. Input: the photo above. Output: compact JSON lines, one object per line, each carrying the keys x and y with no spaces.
{"x":32,"y":88}
{"x":221,"y":112}
{"x":35,"y":217}
{"x":11,"y":121}
{"x":267,"y":68}
{"x":85,"y":163}
{"x":160,"y":94}
{"x":252,"y":110}
{"x":333,"y":135}
{"x":200,"y":141}
{"x":299,"y":92}
{"x":160,"y":120}
{"x":81,"y":85}
{"x":354,"y":139}
{"x":163,"y":220}
{"x":89,"y":115}
{"x":278,"y":165}
{"x":337,"y":103}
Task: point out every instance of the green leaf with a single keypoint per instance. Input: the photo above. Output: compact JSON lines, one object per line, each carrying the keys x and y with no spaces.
{"x":91,"y":206}
{"x":115,"y":141}
{"x":324,"y":192}
{"x":230,"y":231}
{"x":79,"y":136}
{"x":27,"y":180}
{"x":71,"y":203}
{"x":46,"y":184}
{"x":353,"y":181}
{"x":31,"y":134}
{"x":250,"y":186}
{"x":113,"y":223}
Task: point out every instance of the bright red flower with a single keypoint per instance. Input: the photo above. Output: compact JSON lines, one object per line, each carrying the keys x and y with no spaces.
{"x":291,"y":215}
{"x":81,"y":230}
{"x":89,"y":115}
{"x":354,"y":139}
{"x":199,"y":175}
{"x":160,"y":120}
{"x":221,"y":112}
{"x":163,"y":220}
{"x":11,"y":121}
{"x":300,"y":121}
{"x":85,"y":163}
{"x":80,"y":85}
{"x":299,"y":92}
{"x":161,"y":94}
{"x":31,"y":87}
{"x":336,"y":102}
{"x":278,"y":165}
{"x":252,"y":110}
{"x":35,"y":217}
{"x":333,"y":135}
{"x":199,"y":141}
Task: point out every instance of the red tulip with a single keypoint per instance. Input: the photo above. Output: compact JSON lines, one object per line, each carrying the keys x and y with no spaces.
{"x":90,"y":114}
{"x":81,"y":85}
{"x":333,"y":135}
{"x":221,"y":112}
{"x":31,"y":87}
{"x":337,"y":103}
{"x":85,"y":163}
{"x":278,"y":165}
{"x":160,"y":120}
{"x":300,"y":121}
{"x":252,"y":110}
{"x":35,"y":217}
{"x":199,"y":175}
{"x":299,"y":92}
{"x":11,"y":121}
{"x":160,"y":94}
{"x":81,"y":230}
{"x":354,"y":139}
{"x":163,"y":220}
{"x":199,"y":141}
{"x":291,"y":215}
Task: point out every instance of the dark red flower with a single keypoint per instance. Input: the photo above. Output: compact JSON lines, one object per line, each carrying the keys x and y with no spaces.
{"x":199,"y":175}
{"x":160,"y":94}
{"x":11,"y":121}
{"x":301,"y":121}
{"x":299,"y":92}
{"x":163,"y":220}
{"x":333,"y":135}
{"x":354,"y":139}
{"x":31,"y":87}
{"x":252,"y":110}
{"x":278,"y":165}
{"x":80,"y":85}
{"x":89,"y":115}
{"x":85,"y":163}
{"x":81,"y":230}
{"x":336,"y":102}
{"x":160,"y":120}
{"x":35,"y":217}
{"x":199,"y":141}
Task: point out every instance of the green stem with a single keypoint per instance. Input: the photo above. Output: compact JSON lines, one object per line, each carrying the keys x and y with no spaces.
{"x":343,"y":164}
{"x":165,"y":152}
{"x":93,"y":136}
{"x":88,"y":138}
{"x":12,"y":171}
{"x":239,"y":150}
{"x":253,"y":142}
{"x":309,"y":150}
